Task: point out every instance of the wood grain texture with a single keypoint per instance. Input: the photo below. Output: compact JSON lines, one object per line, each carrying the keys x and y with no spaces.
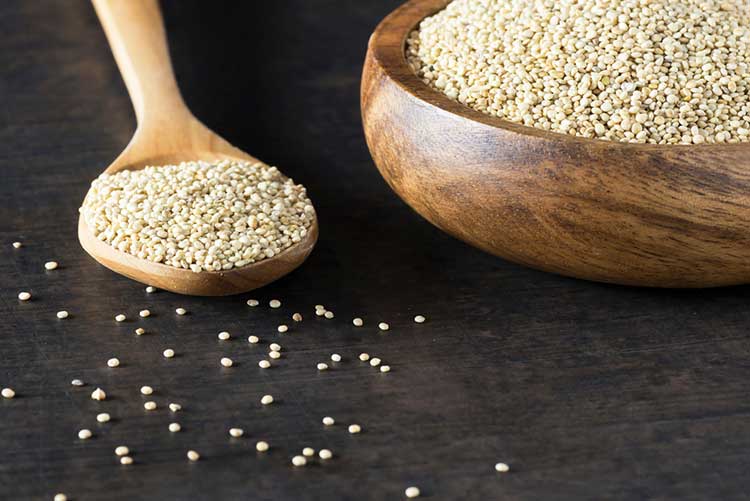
{"x":661,"y":216}
{"x":589,"y":391}
{"x":167,"y":134}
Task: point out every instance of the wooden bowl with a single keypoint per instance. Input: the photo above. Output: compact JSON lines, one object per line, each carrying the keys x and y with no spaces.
{"x":652,"y":215}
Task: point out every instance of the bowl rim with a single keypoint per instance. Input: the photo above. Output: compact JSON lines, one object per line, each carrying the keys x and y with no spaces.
{"x":387,"y":45}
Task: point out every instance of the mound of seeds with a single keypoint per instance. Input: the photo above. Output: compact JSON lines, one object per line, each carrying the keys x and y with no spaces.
{"x":642,"y":71}
{"x":199,"y":215}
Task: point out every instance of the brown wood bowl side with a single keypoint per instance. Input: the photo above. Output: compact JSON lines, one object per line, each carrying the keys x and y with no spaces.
{"x":205,"y":283}
{"x":650,"y":215}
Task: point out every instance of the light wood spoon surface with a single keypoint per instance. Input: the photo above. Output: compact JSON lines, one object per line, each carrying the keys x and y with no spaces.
{"x":168,"y":133}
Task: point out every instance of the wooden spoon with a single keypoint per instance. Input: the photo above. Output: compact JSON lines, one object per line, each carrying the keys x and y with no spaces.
{"x":663,"y":216}
{"x":168,"y":133}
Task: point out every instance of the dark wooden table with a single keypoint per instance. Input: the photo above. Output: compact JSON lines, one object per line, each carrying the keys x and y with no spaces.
{"x":588,"y":391}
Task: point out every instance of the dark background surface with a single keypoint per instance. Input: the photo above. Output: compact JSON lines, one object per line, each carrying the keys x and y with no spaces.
{"x":588,"y":391}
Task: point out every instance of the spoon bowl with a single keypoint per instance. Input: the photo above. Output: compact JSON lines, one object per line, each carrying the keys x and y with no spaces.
{"x":635,"y":214}
{"x":168,"y":134}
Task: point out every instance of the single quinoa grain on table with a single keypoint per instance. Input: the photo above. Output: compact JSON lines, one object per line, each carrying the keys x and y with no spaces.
{"x":658,"y":71}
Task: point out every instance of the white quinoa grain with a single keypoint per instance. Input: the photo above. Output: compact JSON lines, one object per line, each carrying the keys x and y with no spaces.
{"x":122,"y":450}
{"x":297,"y":317}
{"x":224,"y":335}
{"x":502,"y":467}
{"x":261,"y":446}
{"x":236,"y":432}
{"x":50,"y":265}
{"x":328,"y":315}
{"x":168,"y":353}
{"x":227,"y":362}
{"x":357,"y":322}
{"x":62,"y":314}
{"x":199,"y":215}
{"x":325,"y":454}
{"x":274,"y":347}
{"x":175,"y":407}
{"x":150,"y":289}
{"x":103,"y":417}
{"x":375,"y":361}
{"x":299,"y":461}
{"x":328,"y":421}
{"x":364,"y":357}
{"x":274,"y":303}
{"x":308,"y":452}
{"x":146,"y":390}
{"x":322,"y":366}
{"x":113,"y":362}
{"x":253,"y":339}
{"x":120,"y":318}
{"x":354,"y":428}
{"x":7,"y":393}
{"x":84,"y":434}
{"x":383,"y":326}
{"x":193,"y":455}
{"x":266,"y":400}
{"x":253,"y":302}
{"x":126,"y":460}
{"x":320,"y":313}
{"x":282,"y":328}
{"x":419,"y":319}
{"x":180,"y":311}
{"x":150,"y":405}
{"x":98,"y":394}
{"x":174,"y":427}
{"x":144,"y":313}
{"x":385,"y":368}
{"x":24,"y":296}
{"x":60,"y":497}
{"x":17,"y":245}
{"x":412,"y":492}
{"x":336,"y":357}
{"x":274,"y":354}
{"x":77,"y":382}
{"x":264,"y":364}
{"x":139,"y":331}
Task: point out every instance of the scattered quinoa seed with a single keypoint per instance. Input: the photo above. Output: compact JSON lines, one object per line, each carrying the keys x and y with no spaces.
{"x":146,"y":390}
{"x":252,"y":302}
{"x":383,"y":326}
{"x":98,"y":394}
{"x":120,"y":318}
{"x":385,"y":368}
{"x":253,"y":339}
{"x":103,"y":417}
{"x":122,"y":450}
{"x":357,"y":322}
{"x":174,"y":427}
{"x":374,"y":362}
{"x":266,"y":400}
{"x":126,"y":460}
{"x":175,"y":407}
{"x":193,"y":456}
{"x":7,"y":393}
{"x":50,"y":265}
{"x":328,"y":421}
{"x":150,"y":405}
{"x":17,"y":245}
{"x":84,"y":434}
{"x":226,"y":362}
{"x":282,"y":328}
{"x":60,"y":497}
{"x":364,"y":357}
{"x":274,"y":303}
{"x":308,"y":452}
{"x":412,"y":492}
{"x":144,"y":313}
{"x":322,"y":366}
{"x":261,"y":446}
{"x":180,"y":311}
{"x":299,"y":461}
{"x":168,"y":353}
{"x":140,"y":331}
{"x":502,"y":468}
{"x":336,"y":357}
{"x":236,"y":432}
{"x":297,"y":317}
{"x":62,"y":314}
{"x":325,"y":454}
{"x":264,"y":364}
{"x":274,"y":354}
{"x":77,"y":382}
{"x":328,"y":315}
{"x":274,"y":347}
{"x":24,"y":296}
{"x":419,"y":319}
{"x":354,"y":428}
{"x":113,"y":362}
{"x":224,"y":335}
{"x":150,"y":289}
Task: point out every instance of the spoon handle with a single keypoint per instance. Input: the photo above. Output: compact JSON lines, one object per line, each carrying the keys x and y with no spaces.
{"x":135,"y":31}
